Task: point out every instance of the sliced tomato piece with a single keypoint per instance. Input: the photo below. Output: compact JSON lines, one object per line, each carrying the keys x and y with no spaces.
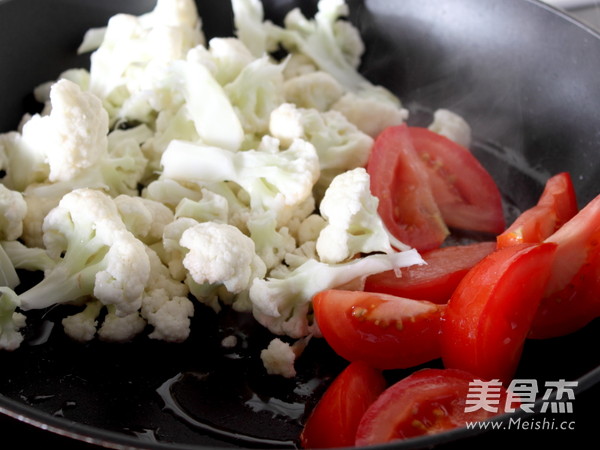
{"x":385,"y":331}
{"x":406,"y":202}
{"x":490,"y":313}
{"x":335,"y":418}
{"x":436,"y":280}
{"x":426,"y":402}
{"x":571,"y":299}
{"x":557,"y":204}
{"x":464,"y":190}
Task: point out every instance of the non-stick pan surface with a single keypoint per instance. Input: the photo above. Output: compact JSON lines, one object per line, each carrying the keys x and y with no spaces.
{"x":524,"y":75}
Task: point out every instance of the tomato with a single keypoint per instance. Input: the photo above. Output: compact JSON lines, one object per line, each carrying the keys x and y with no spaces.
{"x":334,"y":420}
{"x":406,"y":202}
{"x":426,"y":402}
{"x":557,"y":204}
{"x":571,"y":298}
{"x":385,"y":331}
{"x":464,"y":190}
{"x":436,"y":280}
{"x":490,"y":313}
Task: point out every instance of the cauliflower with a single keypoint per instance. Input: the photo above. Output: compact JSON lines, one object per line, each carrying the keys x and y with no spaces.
{"x":452,"y":126}
{"x":11,"y":321}
{"x":165,"y":307}
{"x":371,"y":109}
{"x":272,"y":243}
{"x":27,"y":258}
{"x":8,"y":271}
{"x":58,"y":146}
{"x":212,"y":207}
{"x":129,"y":44}
{"x":255,"y":92}
{"x":221,"y":254}
{"x":340,"y":144}
{"x":145,"y":218}
{"x":333,"y":48}
{"x":225,"y":58}
{"x":353,"y":224}
{"x":273,"y":180}
{"x":251,"y":28}
{"x":282,"y":305}
{"x":13,"y":210}
{"x":318,"y":90}
{"x":279,"y":358}
{"x":96,"y":256}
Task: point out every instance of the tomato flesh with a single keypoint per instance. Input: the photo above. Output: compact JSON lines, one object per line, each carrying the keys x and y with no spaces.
{"x":490,"y":313}
{"x":406,"y":202}
{"x":426,"y":402}
{"x":571,"y":299}
{"x":464,"y":190}
{"x":384,"y":331}
{"x":556,"y":206}
{"x":436,"y":280}
{"x":335,"y":418}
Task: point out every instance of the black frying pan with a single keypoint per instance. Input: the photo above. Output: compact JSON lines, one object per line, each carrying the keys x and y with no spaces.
{"x":525,"y":77}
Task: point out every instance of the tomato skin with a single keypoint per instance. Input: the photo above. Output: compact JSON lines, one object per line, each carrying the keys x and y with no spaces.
{"x":571,"y":299}
{"x":557,"y":205}
{"x":490,"y":313}
{"x":436,"y":280}
{"x":426,"y":402}
{"x":406,"y":202}
{"x":335,"y":418}
{"x":384,"y":331}
{"x":464,"y":190}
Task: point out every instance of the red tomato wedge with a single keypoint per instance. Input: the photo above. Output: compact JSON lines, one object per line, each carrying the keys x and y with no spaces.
{"x":426,"y":402}
{"x":464,"y":190}
{"x":335,"y":418}
{"x":557,"y":204}
{"x":436,"y":280}
{"x":384,"y":331}
{"x":490,"y":313}
{"x":571,"y":299}
{"x":406,"y":202}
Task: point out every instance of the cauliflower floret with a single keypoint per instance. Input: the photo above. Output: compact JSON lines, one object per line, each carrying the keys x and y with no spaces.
{"x":340,"y":144}
{"x":353,"y":224}
{"x":212,"y":207}
{"x":257,"y":91}
{"x":273,"y":180}
{"x":371,"y":109}
{"x":318,"y":90}
{"x":11,"y":321}
{"x":96,"y":256}
{"x":272,"y":243}
{"x":130,"y":43}
{"x":13,"y":210}
{"x":221,"y":254}
{"x":82,"y":326}
{"x":144,"y":217}
{"x":118,"y":328}
{"x":279,"y":358}
{"x":225,"y":58}
{"x":61,"y":145}
{"x":451,"y":125}
{"x":282,"y":305}
{"x":75,"y":132}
